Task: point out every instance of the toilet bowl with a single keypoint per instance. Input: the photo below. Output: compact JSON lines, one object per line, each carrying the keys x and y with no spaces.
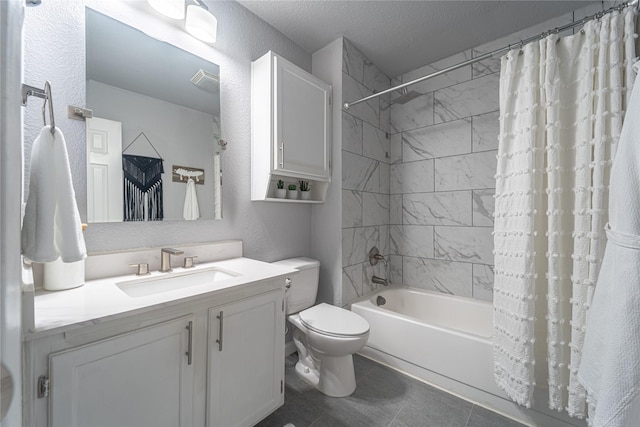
{"x":326,"y":345}
{"x":325,"y":336}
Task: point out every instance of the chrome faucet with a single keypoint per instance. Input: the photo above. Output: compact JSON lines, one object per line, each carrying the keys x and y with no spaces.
{"x":165,"y":260}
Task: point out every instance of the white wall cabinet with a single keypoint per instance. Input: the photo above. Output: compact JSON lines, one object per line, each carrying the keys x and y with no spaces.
{"x":141,"y":378}
{"x":163,"y":367}
{"x":245,"y":369}
{"x":290,"y":128}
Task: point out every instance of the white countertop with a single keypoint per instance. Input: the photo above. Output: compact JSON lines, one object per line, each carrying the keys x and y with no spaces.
{"x":101,"y":300}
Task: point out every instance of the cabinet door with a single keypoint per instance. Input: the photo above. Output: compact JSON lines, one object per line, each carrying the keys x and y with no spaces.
{"x":246,"y":360}
{"x":142,"y":378}
{"x":302,"y":121}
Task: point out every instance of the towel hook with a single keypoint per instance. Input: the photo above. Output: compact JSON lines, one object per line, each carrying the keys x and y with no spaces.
{"x":47,"y":90}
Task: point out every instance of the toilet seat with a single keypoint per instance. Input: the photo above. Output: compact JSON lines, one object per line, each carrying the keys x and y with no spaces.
{"x":330,"y":320}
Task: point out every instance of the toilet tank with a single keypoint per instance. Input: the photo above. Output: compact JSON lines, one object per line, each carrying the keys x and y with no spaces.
{"x":304,"y":283}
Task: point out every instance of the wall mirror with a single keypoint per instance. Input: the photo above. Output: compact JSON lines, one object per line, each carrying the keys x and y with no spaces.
{"x":154,"y":137}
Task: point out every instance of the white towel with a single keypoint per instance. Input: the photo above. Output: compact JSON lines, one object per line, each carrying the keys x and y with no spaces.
{"x":51,"y":226}
{"x":610,"y":366}
{"x":191,"y":210}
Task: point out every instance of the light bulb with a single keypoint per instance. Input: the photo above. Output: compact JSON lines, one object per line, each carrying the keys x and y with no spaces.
{"x":170,"y":8}
{"x":201,"y":24}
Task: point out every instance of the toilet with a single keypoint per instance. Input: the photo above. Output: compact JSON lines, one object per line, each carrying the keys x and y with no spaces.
{"x":325,"y":336}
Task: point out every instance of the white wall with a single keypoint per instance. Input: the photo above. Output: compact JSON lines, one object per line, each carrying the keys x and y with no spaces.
{"x":326,"y":234}
{"x":54,"y":50}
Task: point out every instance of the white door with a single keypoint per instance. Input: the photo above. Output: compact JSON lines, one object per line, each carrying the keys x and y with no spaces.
{"x":11,"y":20}
{"x":246,"y":360}
{"x":143,"y":378}
{"x":104,"y":170}
{"x":302,"y":122}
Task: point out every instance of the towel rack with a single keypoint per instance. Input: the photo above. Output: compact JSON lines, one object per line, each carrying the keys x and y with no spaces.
{"x":45,"y":94}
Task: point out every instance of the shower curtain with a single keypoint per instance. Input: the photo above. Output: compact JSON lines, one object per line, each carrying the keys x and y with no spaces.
{"x":562,"y":103}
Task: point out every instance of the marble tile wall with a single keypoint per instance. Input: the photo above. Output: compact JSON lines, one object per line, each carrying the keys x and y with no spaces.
{"x":443,"y":148}
{"x":442,"y":181}
{"x":418,"y":174}
{"x":365,"y":174}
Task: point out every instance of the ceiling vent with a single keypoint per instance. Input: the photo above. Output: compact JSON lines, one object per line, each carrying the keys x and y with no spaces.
{"x":206,"y":80}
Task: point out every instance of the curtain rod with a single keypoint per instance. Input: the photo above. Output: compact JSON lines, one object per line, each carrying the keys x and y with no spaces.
{"x":493,"y":53}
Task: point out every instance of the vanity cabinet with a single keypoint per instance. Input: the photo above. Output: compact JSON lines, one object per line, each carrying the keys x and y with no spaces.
{"x":290,"y":129}
{"x":213,"y":359}
{"x":245,"y":362}
{"x":141,"y":378}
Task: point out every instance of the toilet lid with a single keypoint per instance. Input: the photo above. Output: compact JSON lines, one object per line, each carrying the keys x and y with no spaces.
{"x":325,"y":318}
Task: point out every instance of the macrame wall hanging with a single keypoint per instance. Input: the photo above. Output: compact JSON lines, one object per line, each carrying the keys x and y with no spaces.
{"x":142,"y":185}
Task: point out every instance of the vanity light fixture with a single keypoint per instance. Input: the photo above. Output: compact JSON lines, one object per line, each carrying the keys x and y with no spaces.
{"x":170,"y":8}
{"x":201,"y":24}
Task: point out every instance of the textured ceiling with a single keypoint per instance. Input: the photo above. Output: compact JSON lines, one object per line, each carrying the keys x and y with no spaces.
{"x":399,"y":36}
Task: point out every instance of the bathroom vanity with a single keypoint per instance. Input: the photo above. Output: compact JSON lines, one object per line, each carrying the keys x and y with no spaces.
{"x":146,"y":351}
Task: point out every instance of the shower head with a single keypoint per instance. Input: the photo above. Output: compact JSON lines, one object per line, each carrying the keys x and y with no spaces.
{"x":405,"y":96}
{"x":206,"y":80}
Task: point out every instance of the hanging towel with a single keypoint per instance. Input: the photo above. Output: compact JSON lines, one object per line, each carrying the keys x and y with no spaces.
{"x":142,"y":188}
{"x":610,"y":366}
{"x":191,"y":210}
{"x":51,"y":226}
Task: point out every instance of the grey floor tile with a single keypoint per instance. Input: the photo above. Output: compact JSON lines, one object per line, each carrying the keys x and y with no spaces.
{"x":428,"y":406}
{"x":367,"y":406}
{"x":389,"y":383}
{"x":362,"y":365}
{"x":358,"y":412}
{"x":328,"y":420}
{"x":481,"y":417}
{"x":290,"y":376}
{"x":383,"y":398}
{"x":296,"y":410}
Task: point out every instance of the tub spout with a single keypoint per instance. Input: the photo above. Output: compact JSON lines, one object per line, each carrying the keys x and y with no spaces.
{"x":379,"y":281}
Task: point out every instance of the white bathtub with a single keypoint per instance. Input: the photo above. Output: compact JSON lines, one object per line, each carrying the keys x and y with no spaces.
{"x":448,"y":335}
{"x":446,"y":341}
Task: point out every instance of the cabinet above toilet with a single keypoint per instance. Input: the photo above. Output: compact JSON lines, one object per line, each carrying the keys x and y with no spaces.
{"x":290,"y":129}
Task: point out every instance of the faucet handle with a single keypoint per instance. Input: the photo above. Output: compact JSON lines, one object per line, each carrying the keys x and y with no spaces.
{"x":188,"y":262}
{"x":143,"y":268}
{"x":375,"y":256}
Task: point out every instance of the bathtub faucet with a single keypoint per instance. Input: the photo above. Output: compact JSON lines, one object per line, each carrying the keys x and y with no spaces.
{"x":375,"y":256}
{"x":380,"y":257}
{"x":379,"y":281}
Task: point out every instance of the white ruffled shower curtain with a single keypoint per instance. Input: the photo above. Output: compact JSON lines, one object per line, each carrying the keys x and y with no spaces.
{"x":562,"y":103}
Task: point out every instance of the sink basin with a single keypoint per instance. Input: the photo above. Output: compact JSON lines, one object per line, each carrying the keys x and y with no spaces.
{"x":173,"y":281}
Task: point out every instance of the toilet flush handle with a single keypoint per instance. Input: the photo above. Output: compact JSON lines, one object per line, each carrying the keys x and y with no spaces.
{"x":287,"y":283}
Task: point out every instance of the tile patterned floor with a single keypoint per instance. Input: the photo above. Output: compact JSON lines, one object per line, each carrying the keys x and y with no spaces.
{"x":384,"y":398}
